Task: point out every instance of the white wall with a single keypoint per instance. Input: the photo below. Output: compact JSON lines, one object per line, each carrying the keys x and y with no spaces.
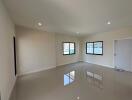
{"x":38,"y":50}
{"x":108,"y":37}
{"x":7,"y":77}
{"x":66,"y":59}
{"x":35,"y":50}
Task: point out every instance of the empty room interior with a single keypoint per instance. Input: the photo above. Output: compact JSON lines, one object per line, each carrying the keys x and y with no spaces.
{"x":65,"y":49}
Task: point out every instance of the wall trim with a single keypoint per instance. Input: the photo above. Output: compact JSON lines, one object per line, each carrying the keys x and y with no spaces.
{"x":43,"y":69}
{"x":35,"y":71}
{"x":107,"y":66}
{"x":67,"y":63}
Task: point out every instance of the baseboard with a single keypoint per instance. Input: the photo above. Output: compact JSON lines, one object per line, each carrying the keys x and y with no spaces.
{"x":43,"y":69}
{"x":68,"y":63}
{"x":39,"y":70}
{"x":13,"y":87}
{"x":107,"y":66}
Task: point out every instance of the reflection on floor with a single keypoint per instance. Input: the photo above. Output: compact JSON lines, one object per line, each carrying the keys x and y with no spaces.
{"x":79,"y":81}
{"x":95,"y":79}
{"x":69,"y":78}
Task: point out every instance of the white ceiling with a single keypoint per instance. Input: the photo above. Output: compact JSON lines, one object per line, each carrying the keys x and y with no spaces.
{"x":71,"y":16}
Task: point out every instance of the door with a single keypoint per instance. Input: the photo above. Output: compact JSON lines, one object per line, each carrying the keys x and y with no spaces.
{"x":14,"y":45}
{"x":123,"y":54}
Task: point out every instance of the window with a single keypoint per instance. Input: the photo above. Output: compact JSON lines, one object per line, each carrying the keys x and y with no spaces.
{"x":94,"y":48}
{"x":68,"y":48}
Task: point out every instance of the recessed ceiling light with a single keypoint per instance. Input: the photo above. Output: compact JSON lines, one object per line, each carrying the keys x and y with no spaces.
{"x":78,"y":98}
{"x":108,"y":22}
{"x":40,"y":24}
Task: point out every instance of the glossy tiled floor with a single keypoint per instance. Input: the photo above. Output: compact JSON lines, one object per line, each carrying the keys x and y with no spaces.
{"x":80,"y":81}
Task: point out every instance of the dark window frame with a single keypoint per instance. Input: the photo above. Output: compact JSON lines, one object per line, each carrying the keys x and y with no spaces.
{"x":69,"y":48}
{"x":94,"y":48}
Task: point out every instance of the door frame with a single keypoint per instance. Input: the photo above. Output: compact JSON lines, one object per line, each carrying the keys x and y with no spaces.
{"x":114,"y":48}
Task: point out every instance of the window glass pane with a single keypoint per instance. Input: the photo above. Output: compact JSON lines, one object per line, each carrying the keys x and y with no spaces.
{"x":66,"y":48}
{"x":90,"y":48}
{"x":98,"y":48}
{"x":72,"y":48}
